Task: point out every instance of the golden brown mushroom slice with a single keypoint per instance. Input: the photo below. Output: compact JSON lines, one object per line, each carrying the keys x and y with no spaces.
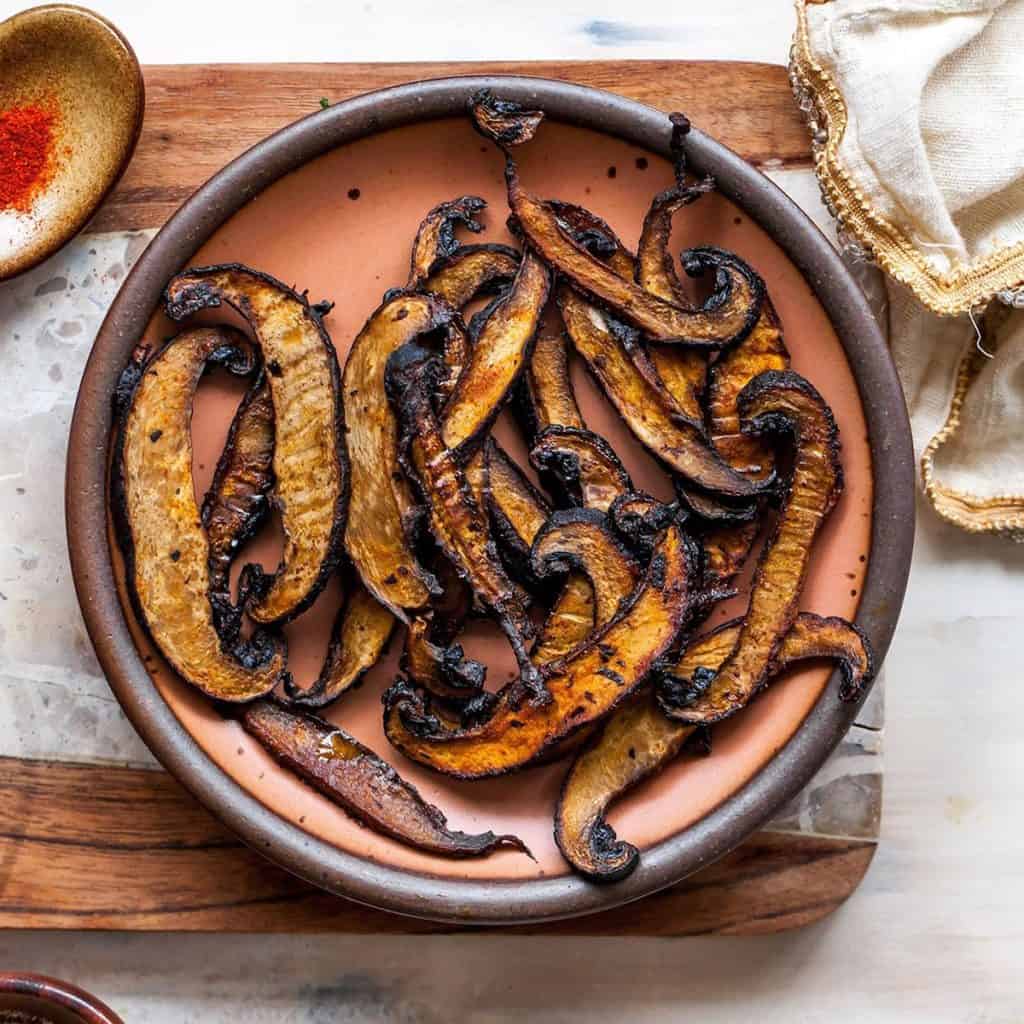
{"x":583,"y":688}
{"x":546,"y":395}
{"x":359,"y":637}
{"x":158,"y":521}
{"x":310,"y":466}
{"x":435,"y":240}
{"x":612,"y":353}
{"x":764,"y":349}
{"x":775,"y":402}
{"x":361,"y":783}
{"x":723,"y":320}
{"x":638,"y":740}
{"x":503,"y":121}
{"x":583,"y":465}
{"x":581,"y":540}
{"x":457,"y":522}
{"x":497,"y":356}
{"x":238,"y":500}
{"x":375,"y":536}
{"x":471,"y":270}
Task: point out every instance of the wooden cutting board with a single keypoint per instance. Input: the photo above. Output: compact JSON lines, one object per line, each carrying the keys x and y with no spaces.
{"x":114,"y":848}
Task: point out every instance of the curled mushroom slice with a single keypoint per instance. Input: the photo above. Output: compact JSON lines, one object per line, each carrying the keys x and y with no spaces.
{"x":362,"y":784}
{"x":502,"y":121}
{"x":649,"y":412}
{"x":638,"y":740}
{"x":444,"y":671}
{"x":457,"y":522}
{"x":436,"y":239}
{"x":471,"y":270}
{"x":640,"y":519}
{"x":546,"y":395}
{"x":159,"y":528}
{"x":776,"y":402}
{"x":764,"y":349}
{"x":238,"y":500}
{"x":584,"y":687}
{"x":723,"y":320}
{"x":581,"y":540}
{"x":498,"y":354}
{"x":310,"y":467}
{"x":375,"y":535}
{"x":583,"y":464}
{"x":359,"y":637}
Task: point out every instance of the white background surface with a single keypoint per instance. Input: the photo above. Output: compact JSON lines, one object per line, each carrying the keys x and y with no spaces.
{"x":935,"y":933}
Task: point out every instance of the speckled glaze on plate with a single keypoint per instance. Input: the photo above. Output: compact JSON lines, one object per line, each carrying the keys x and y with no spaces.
{"x":356,"y":179}
{"x":50,"y":1000}
{"x":76,"y":62}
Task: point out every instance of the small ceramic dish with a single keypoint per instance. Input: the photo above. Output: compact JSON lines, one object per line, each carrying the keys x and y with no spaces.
{"x":78,"y":77}
{"x":32,"y":998}
{"x":332,"y":203}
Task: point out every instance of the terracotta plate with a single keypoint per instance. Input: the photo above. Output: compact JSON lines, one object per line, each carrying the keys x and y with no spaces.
{"x":332,"y":204}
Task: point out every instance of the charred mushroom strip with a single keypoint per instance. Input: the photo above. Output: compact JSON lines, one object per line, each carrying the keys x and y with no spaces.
{"x":471,"y":270}
{"x":436,"y":239}
{"x":517,"y":510}
{"x":310,"y":468}
{"x":165,"y":546}
{"x":547,"y":396}
{"x":726,"y":547}
{"x":650,"y":412}
{"x":584,"y":687}
{"x":444,"y":671}
{"x":502,"y":121}
{"x":638,"y":740}
{"x":457,"y":522}
{"x":497,"y":356}
{"x":238,"y":500}
{"x":583,"y":463}
{"x":357,"y":780}
{"x":358,"y":638}
{"x":640,"y":519}
{"x":723,"y":320}
{"x":375,"y":536}
{"x":580,"y":540}
{"x":776,"y":402}
{"x":762,"y":350}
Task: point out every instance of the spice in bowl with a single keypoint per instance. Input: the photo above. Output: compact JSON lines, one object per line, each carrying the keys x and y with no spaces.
{"x":28,"y":136}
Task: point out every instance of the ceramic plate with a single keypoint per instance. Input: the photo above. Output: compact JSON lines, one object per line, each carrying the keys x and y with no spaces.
{"x":332,"y":204}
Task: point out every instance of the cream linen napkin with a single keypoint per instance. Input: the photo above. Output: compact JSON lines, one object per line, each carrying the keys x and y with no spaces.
{"x":916,"y":109}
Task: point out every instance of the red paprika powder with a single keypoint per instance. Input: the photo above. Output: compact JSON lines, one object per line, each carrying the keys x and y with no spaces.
{"x":26,"y":151}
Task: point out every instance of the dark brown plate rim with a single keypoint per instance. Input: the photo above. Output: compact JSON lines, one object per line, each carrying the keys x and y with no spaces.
{"x":55,"y":993}
{"x":422,"y":895}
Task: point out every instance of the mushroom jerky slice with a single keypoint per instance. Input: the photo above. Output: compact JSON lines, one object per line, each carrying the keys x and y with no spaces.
{"x":471,"y":270}
{"x":435,"y":239}
{"x":457,"y":522}
{"x":497,"y":356}
{"x":764,"y":349}
{"x":504,"y":122}
{"x":361,"y":783}
{"x":638,"y":740}
{"x":310,"y":467}
{"x":611,"y":352}
{"x":238,"y":500}
{"x":158,"y":522}
{"x":723,"y":320}
{"x":359,"y":637}
{"x":583,"y":687}
{"x":546,"y":396}
{"x":583,"y":464}
{"x":376,"y":536}
{"x":776,"y":402}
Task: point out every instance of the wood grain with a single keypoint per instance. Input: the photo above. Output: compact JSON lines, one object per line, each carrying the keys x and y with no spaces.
{"x":199,"y":117}
{"x":112,"y":848}
{"x":105,"y":848}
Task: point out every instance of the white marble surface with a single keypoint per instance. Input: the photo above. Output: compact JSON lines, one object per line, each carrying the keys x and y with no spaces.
{"x":933,"y":935}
